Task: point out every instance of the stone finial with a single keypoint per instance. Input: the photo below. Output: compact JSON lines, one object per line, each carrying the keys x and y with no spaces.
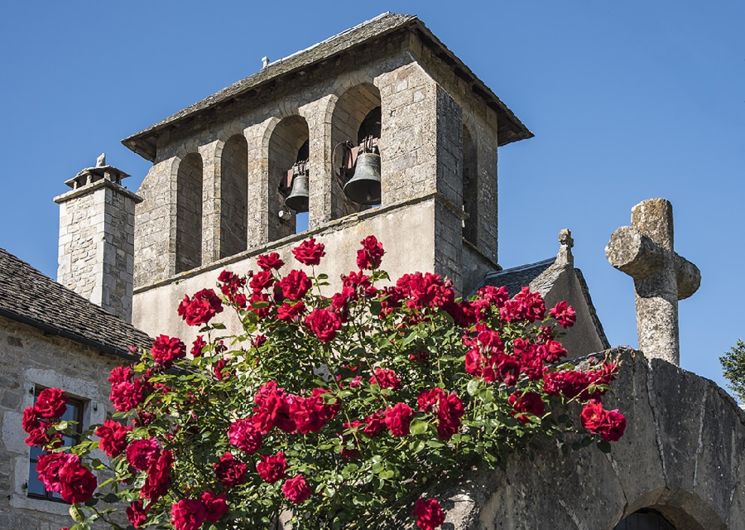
{"x":566,"y":242}
{"x":645,"y":252}
{"x":101,"y":160}
{"x":264,"y":61}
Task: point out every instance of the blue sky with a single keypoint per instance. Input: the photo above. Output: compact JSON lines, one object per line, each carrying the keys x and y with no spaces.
{"x":628,"y":100}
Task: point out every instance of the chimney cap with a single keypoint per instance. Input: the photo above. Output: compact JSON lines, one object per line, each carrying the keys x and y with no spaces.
{"x":100,"y":171}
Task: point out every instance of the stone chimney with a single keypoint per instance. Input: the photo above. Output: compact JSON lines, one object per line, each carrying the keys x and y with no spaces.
{"x":96,"y":238}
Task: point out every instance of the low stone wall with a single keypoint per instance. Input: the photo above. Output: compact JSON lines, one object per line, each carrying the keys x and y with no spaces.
{"x":683,"y":455}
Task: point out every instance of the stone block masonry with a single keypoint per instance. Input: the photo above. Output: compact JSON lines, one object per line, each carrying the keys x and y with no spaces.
{"x":96,"y":244}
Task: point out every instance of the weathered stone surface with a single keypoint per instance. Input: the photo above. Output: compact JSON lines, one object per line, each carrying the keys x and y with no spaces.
{"x":645,"y":252}
{"x":96,"y":241}
{"x":39,"y":358}
{"x":682,"y":455}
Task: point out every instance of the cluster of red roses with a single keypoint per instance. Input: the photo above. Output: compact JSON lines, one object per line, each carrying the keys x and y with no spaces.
{"x":487,"y":325}
{"x":59,"y":472}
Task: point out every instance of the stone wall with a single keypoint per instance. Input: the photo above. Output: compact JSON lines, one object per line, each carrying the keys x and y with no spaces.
{"x":96,"y":245}
{"x":29,"y":357}
{"x":683,"y":455}
{"x":155,"y":306}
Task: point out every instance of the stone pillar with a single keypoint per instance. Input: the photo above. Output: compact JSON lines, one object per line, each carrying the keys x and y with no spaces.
{"x":257,"y":224}
{"x":318,"y":116}
{"x":96,"y":242}
{"x":211,"y":200}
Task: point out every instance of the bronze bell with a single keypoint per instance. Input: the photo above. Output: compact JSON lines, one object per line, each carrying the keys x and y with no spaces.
{"x":298,"y":198}
{"x":364,"y":186}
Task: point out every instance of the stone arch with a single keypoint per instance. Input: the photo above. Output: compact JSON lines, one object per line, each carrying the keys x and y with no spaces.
{"x":233,"y":195}
{"x":356,"y":113}
{"x":288,"y":141}
{"x":470,"y":186}
{"x":189,"y":178}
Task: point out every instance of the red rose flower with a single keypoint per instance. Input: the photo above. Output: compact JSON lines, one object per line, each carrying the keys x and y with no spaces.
{"x":269,"y":261}
{"x":120,"y":374}
{"x":272,"y":468}
{"x":200,"y":308}
{"x":244,"y":435}
{"x":50,"y":403}
{"x":425,"y":290}
{"x":526,"y":403}
{"x":495,"y":296}
{"x":136,"y":514}
{"x":608,"y":424}
{"x":188,"y":514}
{"x":125,"y":395}
{"x":385,"y":378}
{"x":158,"y":477}
{"x":564,"y":314}
{"x":288,"y":312}
{"x":30,"y":420}
{"x":324,"y":324}
{"x":309,"y":252}
{"x":48,"y":467}
{"x":371,"y":253}
{"x":374,"y":424}
{"x":296,"y":489}
{"x":429,"y":514}
{"x":449,"y":412}
{"x":167,"y":349}
{"x":113,"y":437}
{"x":229,"y":471}
{"x":40,"y":438}
{"x":141,"y":454}
{"x":261,"y":280}
{"x":294,"y":285}
{"x":215,"y":506}
{"x":272,"y":409}
{"x":310,"y":414}
{"x":259,"y":304}
{"x":397,"y":419}
{"x":197,"y":346}
{"x":77,"y":483}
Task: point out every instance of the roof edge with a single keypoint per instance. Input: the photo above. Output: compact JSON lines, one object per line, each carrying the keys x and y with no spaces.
{"x":143,"y":144}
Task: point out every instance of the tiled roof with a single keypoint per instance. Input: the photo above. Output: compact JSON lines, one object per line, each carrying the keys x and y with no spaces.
{"x":510,"y":127}
{"x":517,"y":277}
{"x":28,"y":296}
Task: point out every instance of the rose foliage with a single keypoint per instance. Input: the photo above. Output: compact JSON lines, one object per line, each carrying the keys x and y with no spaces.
{"x":341,"y":411}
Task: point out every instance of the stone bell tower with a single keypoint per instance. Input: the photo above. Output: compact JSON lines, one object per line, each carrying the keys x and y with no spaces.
{"x":96,"y":240}
{"x":377,"y":130}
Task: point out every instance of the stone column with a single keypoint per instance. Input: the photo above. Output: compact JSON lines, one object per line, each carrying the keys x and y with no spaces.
{"x":318,"y":116}
{"x":211,"y":197}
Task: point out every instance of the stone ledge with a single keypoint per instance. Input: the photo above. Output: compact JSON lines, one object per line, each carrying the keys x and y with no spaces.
{"x":85,"y":190}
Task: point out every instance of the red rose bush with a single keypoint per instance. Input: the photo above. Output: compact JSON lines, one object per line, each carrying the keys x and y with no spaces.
{"x":337,"y":410}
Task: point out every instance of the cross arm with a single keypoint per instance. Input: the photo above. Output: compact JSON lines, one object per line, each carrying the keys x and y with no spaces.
{"x":632,"y":252}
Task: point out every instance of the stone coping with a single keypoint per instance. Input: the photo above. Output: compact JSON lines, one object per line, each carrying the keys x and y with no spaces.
{"x":85,"y":190}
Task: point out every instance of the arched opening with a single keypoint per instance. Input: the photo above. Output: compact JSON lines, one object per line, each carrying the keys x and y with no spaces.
{"x":189,"y":213}
{"x":233,"y":196}
{"x":645,"y":519}
{"x":288,"y":145}
{"x":470,"y":188}
{"x":357,"y":115}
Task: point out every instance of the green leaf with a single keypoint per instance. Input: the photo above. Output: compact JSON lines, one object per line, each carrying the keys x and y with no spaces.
{"x":473,"y":387}
{"x":604,"y":446}
{"x":418,"y":427}
{"x":76,"y":514}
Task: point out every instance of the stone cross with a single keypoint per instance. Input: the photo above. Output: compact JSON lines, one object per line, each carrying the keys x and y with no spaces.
{"x":645,"y":252}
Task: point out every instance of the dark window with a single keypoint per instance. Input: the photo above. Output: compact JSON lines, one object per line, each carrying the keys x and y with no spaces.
{"x":74,"y":412}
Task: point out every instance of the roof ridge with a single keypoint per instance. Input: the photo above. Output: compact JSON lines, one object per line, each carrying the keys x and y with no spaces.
{"x":519,"y":268}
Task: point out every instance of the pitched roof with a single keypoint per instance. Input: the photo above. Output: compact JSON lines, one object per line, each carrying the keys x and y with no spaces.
{"x":517,"y":277}
{"x":28,"y":296}
{"x":510,"y":127}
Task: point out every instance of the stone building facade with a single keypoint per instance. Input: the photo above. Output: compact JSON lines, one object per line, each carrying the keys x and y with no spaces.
{"x":49,"y":337}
